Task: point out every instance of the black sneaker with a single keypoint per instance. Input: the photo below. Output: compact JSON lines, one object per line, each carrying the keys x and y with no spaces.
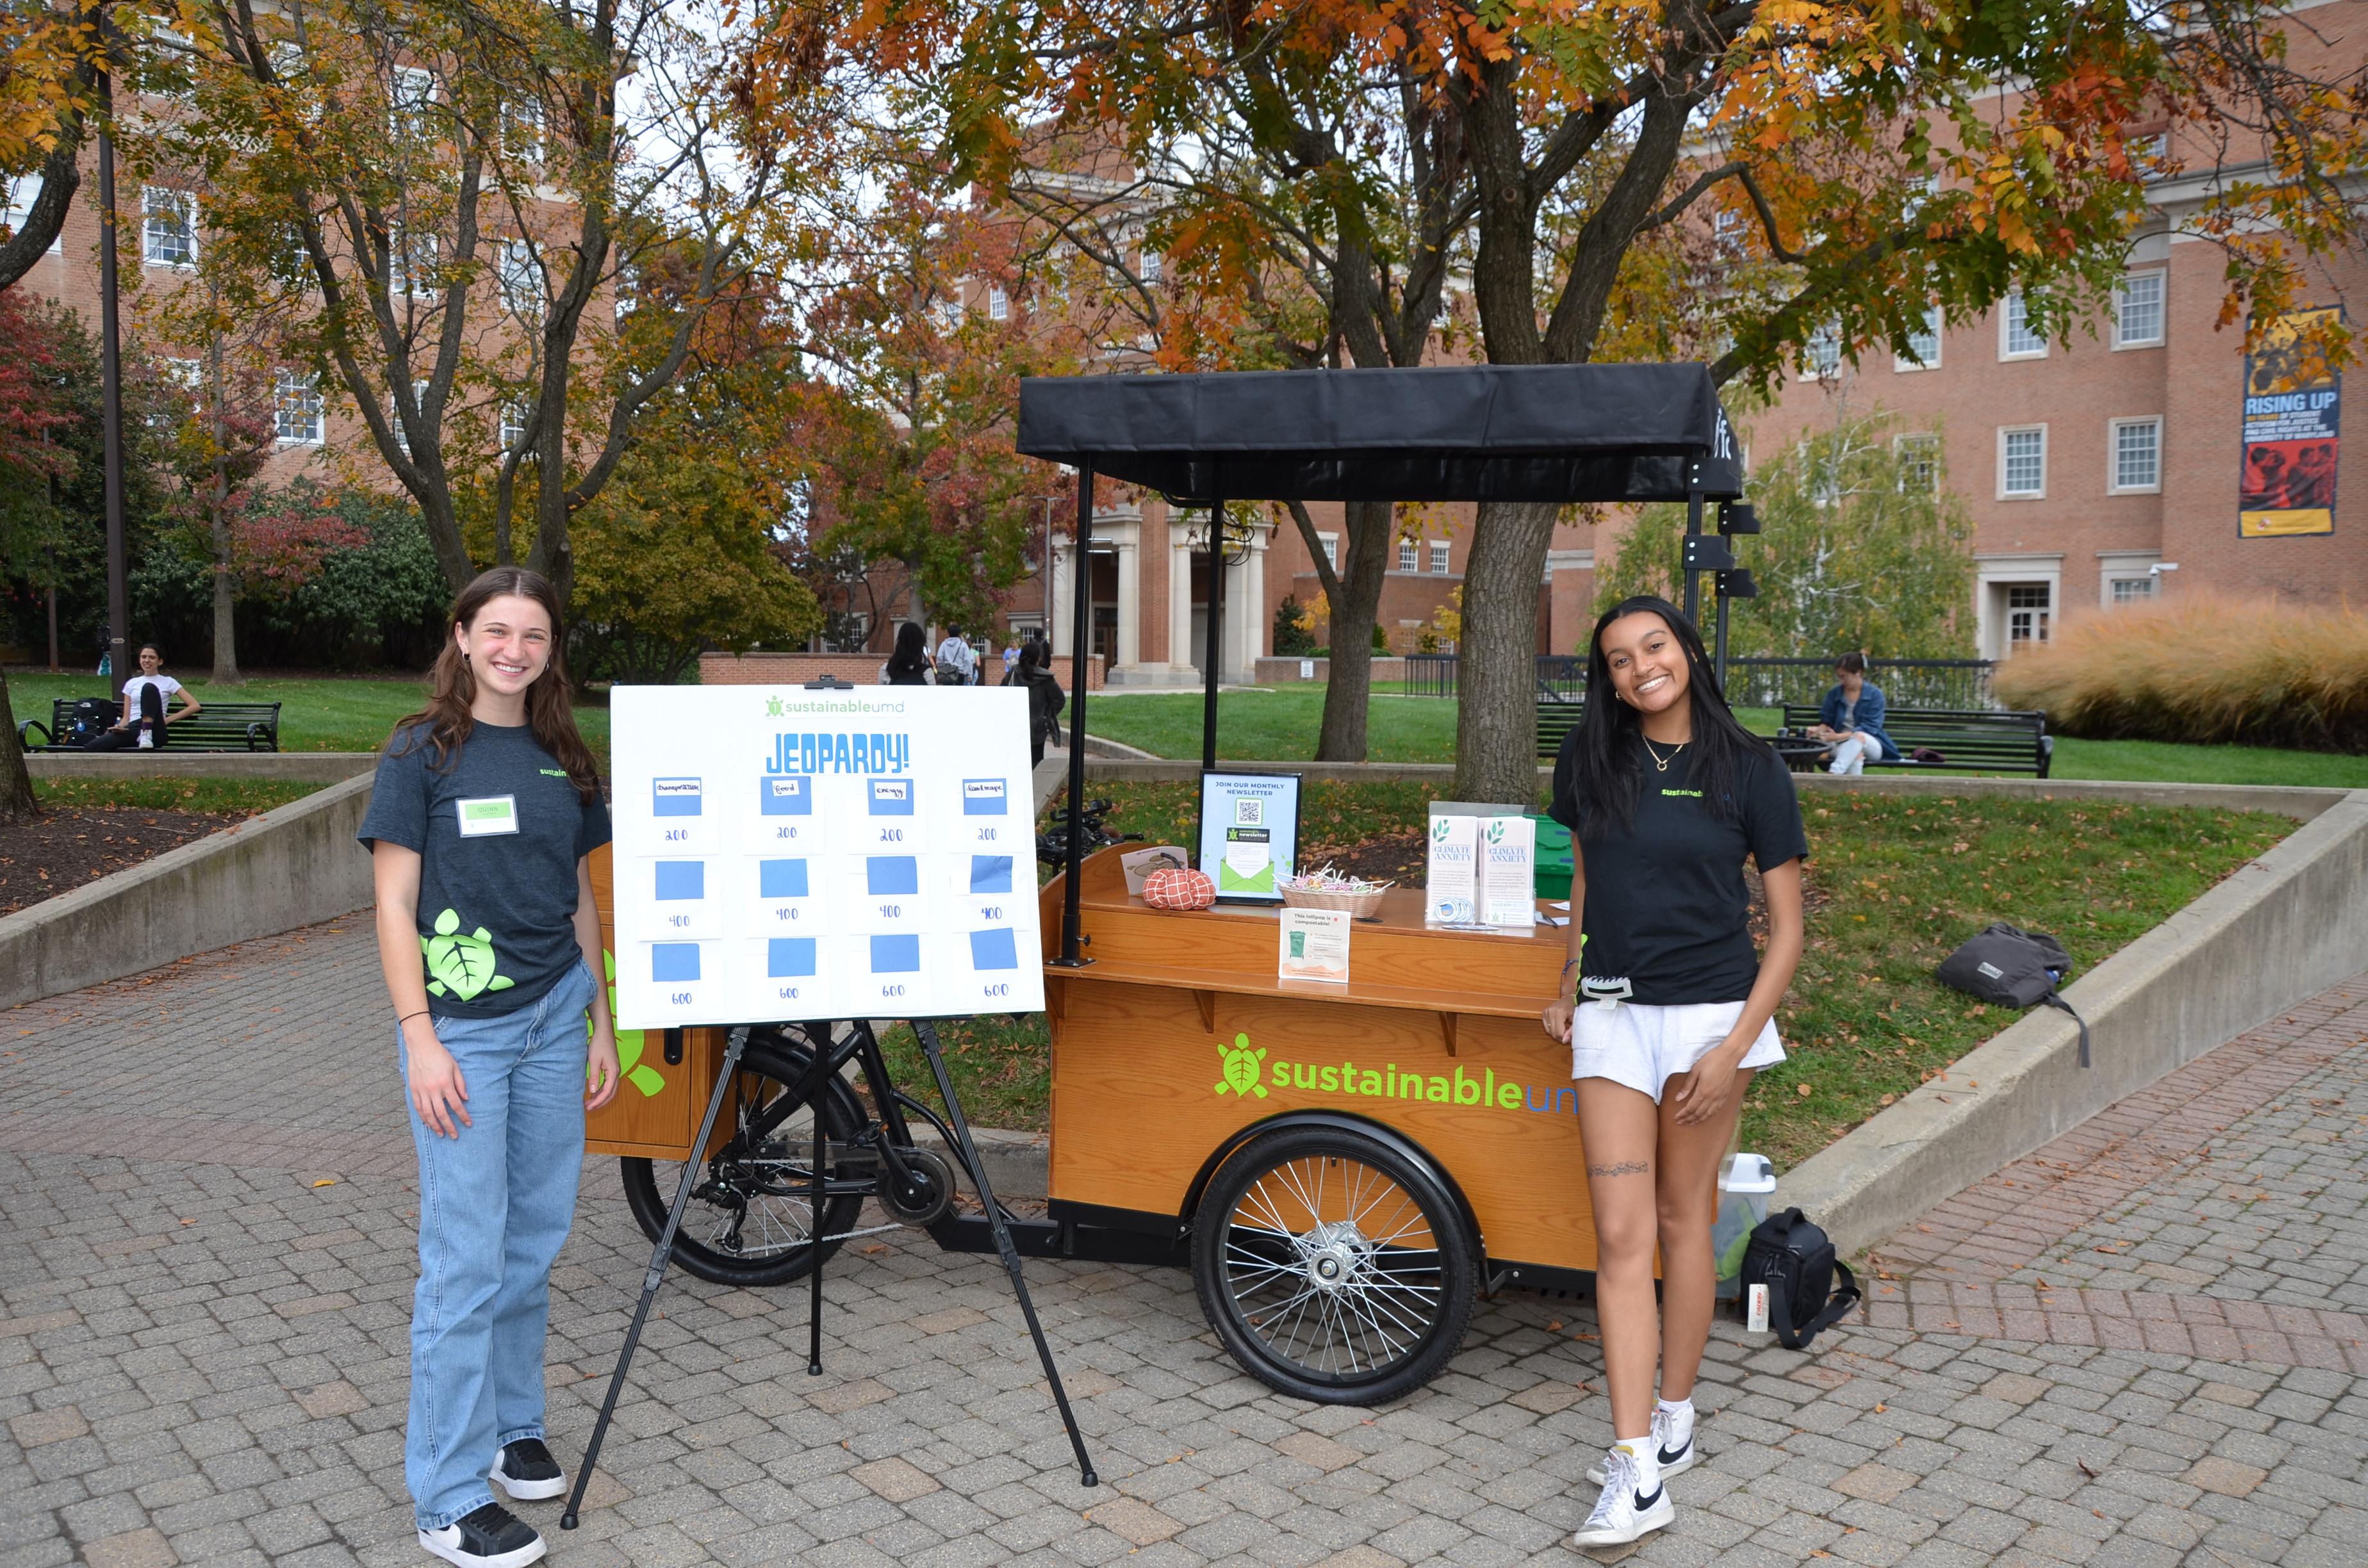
{"x":493,"y":1537}
{"x":527,"y":1472}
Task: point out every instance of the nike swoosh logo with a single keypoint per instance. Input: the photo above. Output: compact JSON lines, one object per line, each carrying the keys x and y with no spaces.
{"x":1668,"y":1459}
{"x":1645,"y":1502}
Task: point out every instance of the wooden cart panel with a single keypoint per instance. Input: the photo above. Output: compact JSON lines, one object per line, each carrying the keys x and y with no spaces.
{"x":656,"y":1108}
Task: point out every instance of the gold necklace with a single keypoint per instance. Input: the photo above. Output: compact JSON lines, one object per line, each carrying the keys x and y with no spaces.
{"x":1660,"y":763}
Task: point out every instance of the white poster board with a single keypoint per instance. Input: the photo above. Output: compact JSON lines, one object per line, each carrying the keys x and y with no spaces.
{"x":785,"y":854}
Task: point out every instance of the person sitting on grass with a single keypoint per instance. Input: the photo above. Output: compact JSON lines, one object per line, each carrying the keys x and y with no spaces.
{"x":144,"y":695}
{"x":1852,"y":719}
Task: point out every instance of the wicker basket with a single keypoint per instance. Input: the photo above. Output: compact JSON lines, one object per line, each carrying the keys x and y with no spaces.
{"x":1359,"y":906}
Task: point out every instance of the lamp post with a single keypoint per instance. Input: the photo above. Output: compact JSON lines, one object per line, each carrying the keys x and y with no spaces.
{"x":110,"y":380}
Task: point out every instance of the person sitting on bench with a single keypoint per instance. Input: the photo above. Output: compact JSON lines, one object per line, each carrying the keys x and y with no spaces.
{"x":1852,"y":719}
{"x":142,"y":726}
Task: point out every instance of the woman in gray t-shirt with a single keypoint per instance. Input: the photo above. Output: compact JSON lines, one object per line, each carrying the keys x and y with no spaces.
{"x":486,"y":804}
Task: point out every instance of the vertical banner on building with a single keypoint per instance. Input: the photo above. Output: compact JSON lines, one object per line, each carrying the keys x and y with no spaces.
{"x":2293,"y":406}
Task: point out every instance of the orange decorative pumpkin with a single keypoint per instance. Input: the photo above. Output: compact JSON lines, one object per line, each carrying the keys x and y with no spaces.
{"x":1179,"y":889}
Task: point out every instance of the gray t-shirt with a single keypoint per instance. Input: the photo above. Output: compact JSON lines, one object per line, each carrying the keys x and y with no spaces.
{"x":499,"y":831}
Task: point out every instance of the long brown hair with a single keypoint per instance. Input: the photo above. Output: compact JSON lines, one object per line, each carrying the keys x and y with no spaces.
{"x":446,"y":721}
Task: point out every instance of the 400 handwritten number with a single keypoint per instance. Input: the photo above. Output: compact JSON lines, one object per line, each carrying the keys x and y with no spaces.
{"x":990,"y":912}
{"x":891,"y":912}
{"x":785,"y":914}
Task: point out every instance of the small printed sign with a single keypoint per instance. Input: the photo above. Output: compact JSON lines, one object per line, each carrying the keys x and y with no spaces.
{"x":487,"y":815}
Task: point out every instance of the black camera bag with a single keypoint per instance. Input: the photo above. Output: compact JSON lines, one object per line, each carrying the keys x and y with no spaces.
{"x":1795,"y":1260}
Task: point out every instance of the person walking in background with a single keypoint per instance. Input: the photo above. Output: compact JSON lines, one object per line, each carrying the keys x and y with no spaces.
{"x":908,"y":663}
{"x":1852,"y":719}
{"x":957,"y":659}
{"x":142,"y":726}
{"x":1010,"y":661}
{"x":1045,"y":698}
{"x":487,"y":807}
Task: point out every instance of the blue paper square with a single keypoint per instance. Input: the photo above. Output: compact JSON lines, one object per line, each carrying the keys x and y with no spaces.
{"x":895,"y":955}
{"x":990,"y":873}
{"x":892,"y":797}
{"x":789,"y":796}
{"x":786,"y":957}
{"x":675,"y":797}
{"x":780,"y":879}
{"x":985,"y":797}
{"x":994,"y":949}
{"x":884,"y":874}
{"x":671,"y":961}
{"x":682,"y":879}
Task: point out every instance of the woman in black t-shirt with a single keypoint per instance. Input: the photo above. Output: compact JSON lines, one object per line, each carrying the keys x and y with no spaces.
{"x":1667,"y":1009}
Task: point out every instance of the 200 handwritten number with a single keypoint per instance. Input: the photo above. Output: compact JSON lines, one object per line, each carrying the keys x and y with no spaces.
{"x":892,"y":835}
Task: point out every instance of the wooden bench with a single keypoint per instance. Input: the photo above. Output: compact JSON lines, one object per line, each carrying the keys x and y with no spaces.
{"x":216,"y":726}
{"x":1970,"y":740}
{"x":1557,"y":717}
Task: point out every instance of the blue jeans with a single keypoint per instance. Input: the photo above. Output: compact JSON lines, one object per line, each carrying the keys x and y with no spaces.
{"x":495,"y":1205}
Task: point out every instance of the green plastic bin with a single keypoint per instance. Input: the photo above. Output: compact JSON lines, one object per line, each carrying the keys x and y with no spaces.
{"x":1553,"y":871}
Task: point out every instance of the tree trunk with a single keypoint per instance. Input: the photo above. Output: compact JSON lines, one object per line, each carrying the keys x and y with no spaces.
{"x":1348,"y":696}
{"x":225,"y":609}
{"x":225,"y":631}
{"x":17,"y":801}
{"x":1496,"y":716}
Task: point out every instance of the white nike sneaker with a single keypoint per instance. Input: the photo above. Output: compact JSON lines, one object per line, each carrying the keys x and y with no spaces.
{"x":1621,"y":1513}
{"x":1674,"y":1461}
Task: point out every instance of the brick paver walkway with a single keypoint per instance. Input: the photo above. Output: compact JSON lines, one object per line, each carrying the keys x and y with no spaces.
{"x":206,"y":1265}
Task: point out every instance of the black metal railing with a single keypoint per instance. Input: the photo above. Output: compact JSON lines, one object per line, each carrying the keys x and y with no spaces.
{"x":1753,"y":682}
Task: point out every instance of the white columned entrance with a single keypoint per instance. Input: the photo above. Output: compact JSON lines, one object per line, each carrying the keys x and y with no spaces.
{"x":1063,"y":596}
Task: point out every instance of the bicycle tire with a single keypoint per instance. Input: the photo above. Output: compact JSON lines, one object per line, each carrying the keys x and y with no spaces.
{"x":783,"y":1249}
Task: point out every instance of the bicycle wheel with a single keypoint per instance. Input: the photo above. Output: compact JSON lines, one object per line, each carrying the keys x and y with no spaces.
{"x":751,"y":1220}
{"x":1334,"y":1269}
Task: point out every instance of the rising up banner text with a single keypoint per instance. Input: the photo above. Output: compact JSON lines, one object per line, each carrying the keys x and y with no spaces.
{"x":2293,"y":406}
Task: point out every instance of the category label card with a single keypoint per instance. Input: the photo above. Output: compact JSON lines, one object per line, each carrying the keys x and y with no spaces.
{"x":785,"y":854}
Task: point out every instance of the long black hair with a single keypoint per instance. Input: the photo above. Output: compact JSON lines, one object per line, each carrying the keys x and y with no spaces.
{"x":1606,"y":749}
{"x":909,"y":658}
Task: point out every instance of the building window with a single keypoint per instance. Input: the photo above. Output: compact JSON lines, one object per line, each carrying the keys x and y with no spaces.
{"x":522,"y":130}
{"x":2123,"y":591}
{"x":410,"y":258}
{"x":520,"y":277}
{"x":2029,"y":607}
{"x":2016,"y":338}
{"x":1331,"y":543}
{"x":407,"y":106}
{"x":172,"y":227}
{"x":17,"y":195}
{"x":190,"y":375}
{"x":1923,"y":345}
{"x":2137,"y":311}
{"x":1439,"y":555}
{"x":948,"y":314}
{"x":293,"y":265}
{"x":297,"y":413}
{"x":514,"y":416}
{"x":1406,"y":555}
{"x":1149,"y":271}
{"x":2023,"y":462}
{"x":998,"y":303}
{"x":2137,"y":455}
{"x":395,"y":417}
{"x":1821,"y":356}
{"x":1920,"y":464}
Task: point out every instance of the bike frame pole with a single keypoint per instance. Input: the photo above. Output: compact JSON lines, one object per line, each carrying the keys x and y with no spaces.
{"x":814,"y":1296}
{"x":1216,"y":623}
{"x":1072,"y":939}
{"x":927,"y":1033}
{"x":660,"y":1255}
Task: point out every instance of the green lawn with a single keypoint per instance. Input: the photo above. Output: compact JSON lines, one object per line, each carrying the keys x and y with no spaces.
{"x":316,"y":713}
{"x":1896,"y":884}
{"x":244,"y":795}
{"x":1282,"y":725}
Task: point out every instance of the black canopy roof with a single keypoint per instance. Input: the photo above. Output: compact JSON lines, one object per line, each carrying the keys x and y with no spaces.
{"x":1440,"y":433}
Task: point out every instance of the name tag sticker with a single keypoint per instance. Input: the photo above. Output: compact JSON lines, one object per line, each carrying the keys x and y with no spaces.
{"x":488,"y":814}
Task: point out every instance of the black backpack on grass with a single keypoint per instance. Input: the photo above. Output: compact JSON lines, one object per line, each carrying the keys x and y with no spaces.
{"x":2013,"y":968}
{"x":1795,"y":1260}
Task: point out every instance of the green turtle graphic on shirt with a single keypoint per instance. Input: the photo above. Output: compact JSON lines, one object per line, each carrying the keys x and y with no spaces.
{"x":461,"y":966}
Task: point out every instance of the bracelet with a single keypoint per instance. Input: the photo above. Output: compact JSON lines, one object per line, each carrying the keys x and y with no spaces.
{"x":408,"y":1017}
{"x":1568,"y":964}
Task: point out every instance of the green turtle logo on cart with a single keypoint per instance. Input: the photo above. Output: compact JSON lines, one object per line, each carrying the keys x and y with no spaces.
{"x":461,"y":966}
{"x":630,"y":1042}
{"x":1244,"y":1075}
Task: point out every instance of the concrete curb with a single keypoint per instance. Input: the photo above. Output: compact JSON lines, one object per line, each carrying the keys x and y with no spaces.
{"x":2277,"y":931}
{"x":297,"y":766}
{"x":292,"y":866}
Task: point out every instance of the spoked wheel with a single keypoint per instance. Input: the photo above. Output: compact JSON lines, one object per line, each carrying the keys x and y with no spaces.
{"x":751,"y":1219}
{"x":1333,"y":1268}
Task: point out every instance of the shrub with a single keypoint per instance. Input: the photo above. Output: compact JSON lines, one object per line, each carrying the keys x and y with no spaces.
{"x":2202,"y":669}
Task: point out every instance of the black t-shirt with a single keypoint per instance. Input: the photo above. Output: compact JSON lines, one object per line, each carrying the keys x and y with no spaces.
{"x":1667,"y":906}
{"x":499,"y":832}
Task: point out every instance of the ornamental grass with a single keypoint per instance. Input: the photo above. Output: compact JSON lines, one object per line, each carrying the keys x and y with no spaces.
{"x":2202,"y":669}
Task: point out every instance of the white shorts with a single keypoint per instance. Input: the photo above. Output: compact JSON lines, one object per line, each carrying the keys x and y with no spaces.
{"x":1645,"y":1047}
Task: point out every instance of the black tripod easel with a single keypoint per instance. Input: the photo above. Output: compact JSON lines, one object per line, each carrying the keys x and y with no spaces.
{"x":811,"y":1091}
